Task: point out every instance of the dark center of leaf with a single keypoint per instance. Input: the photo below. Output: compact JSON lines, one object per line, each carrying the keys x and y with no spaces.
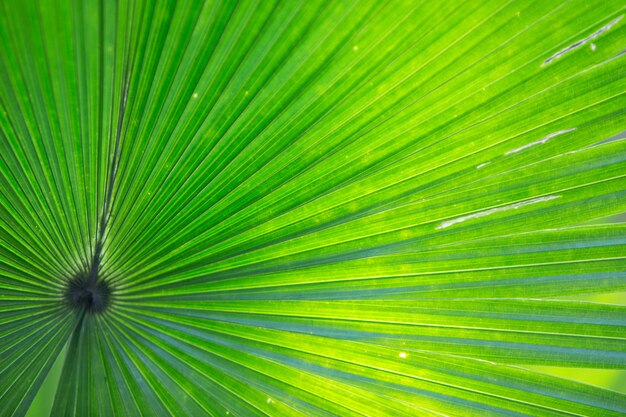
{"x":91,"y":295}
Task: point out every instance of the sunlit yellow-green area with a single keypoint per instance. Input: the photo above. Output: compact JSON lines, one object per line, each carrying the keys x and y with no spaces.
{"x":613,"y":379}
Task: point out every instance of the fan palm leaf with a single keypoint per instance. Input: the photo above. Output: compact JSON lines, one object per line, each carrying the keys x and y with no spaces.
{"x":308,"y":208}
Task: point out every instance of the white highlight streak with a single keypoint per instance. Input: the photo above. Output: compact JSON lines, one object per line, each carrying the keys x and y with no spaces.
{"x":583,"y":41}
{"x":484,"y":213}
{"x":483,"y":165}
{"x":540,"y":141}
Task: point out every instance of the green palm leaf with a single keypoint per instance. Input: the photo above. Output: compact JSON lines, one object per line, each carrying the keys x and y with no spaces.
{"x":308,"y":208}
